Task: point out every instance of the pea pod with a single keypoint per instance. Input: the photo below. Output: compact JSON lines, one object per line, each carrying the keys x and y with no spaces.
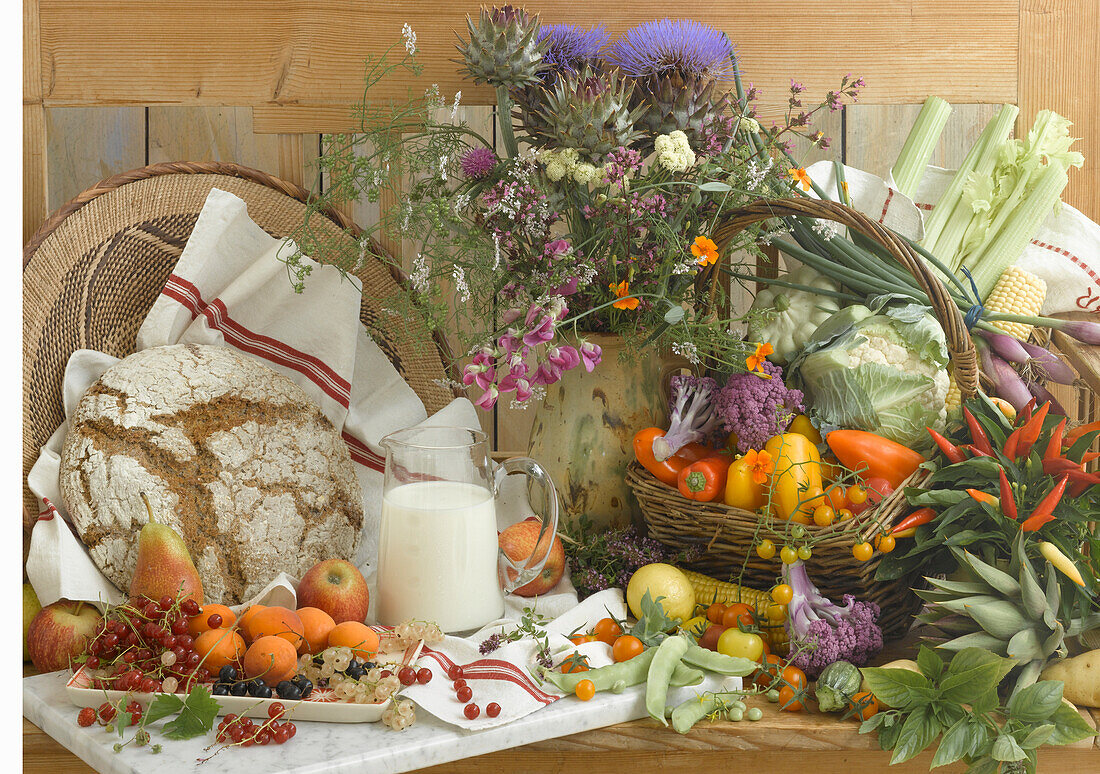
{"x":693,"y":710}
{"x":718,"y":662}
{"x":665,"y":660}
{"x":630,"y":672}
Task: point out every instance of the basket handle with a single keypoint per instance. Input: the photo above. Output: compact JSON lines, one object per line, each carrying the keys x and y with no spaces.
{"x":960,"y":346}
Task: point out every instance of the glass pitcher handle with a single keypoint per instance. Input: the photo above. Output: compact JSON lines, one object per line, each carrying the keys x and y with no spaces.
{"x":513,"y":574}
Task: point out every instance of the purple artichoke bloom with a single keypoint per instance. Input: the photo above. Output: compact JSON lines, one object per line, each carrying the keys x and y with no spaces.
{"x":570,"y":47}
{"x":664,"y":45}
{"x":478,"y":162}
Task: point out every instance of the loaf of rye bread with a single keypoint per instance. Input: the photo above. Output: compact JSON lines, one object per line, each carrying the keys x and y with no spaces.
{"x":232,"y":455}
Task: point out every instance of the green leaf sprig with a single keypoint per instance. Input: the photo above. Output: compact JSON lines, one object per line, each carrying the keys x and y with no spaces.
{"x":958,"y":703}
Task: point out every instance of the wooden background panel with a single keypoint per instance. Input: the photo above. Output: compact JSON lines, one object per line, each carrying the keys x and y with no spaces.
{"x":311,"y":51}
{"x":226,"y":134}
{"x":85,"y":145}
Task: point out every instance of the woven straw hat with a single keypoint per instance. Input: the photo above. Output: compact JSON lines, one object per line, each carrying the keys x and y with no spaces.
{"x":93,"y":270}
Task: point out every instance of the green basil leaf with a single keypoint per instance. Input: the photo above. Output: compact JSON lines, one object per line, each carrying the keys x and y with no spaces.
{"x":980,"y":743}
{"x":1037,"y":702}
{"x":1069,"y":726}
{"x":888,"y":735}
{"x":931,"y":665}
{"x":1037,"y":736}
{"x":966,"y":687}
{"x":954,"y":745}
{"x":984,"y":766}
{"x":872,"y":723}
{"x":917,"y":732}
{"x":895,"y":687}
{"x":939,"y":497}
{"x":970,"y":658}
{"x":1006,"y":748}
{"x":987,"y":702}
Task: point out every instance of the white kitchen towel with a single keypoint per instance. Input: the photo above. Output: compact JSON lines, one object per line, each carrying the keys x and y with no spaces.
{"x":1065,"y":252}
{"x":230,"y":288}
{"x":503,"y":676}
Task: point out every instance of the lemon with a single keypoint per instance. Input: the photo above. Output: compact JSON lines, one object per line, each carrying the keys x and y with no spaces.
{"x":661,"y":580}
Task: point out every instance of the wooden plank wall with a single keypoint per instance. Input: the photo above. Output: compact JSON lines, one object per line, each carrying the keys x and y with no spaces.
{"x":273,"y":92}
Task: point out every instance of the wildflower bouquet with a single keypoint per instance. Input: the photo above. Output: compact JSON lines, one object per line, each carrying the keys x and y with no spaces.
{"x":596,"y":213}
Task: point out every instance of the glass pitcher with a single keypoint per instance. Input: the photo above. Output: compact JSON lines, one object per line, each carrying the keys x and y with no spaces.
{"x":438,"y":557}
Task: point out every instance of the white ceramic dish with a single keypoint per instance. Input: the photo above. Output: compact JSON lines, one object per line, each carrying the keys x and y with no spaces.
{"x":321,"y":705}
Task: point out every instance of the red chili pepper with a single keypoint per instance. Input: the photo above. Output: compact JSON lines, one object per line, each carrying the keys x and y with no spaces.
{"x":1008,"y":502}
{"x":976,"y":452}
{"x":910,"y":523}
{"x":1054,"y":445}
{"x":1025,"y":413}
{"x":1044,"y":511}
{"x":950,"y":450}
{"x":1077,"y":488}
{"x":704,"y":480}
{"x":1080,"y":475}
{"x":1077,"y":432}
{"x":977,"y":434}
{"x":1011,"y":443}
{"x":1059,"y":465}
{"x":1089,"y":456}
{"x":1029,"y":433}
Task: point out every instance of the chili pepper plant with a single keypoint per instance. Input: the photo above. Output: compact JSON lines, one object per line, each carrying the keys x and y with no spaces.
{"x":997,"y":481}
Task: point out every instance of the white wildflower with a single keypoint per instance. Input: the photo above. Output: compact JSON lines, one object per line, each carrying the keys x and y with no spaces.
{"x":674,"y":153}
{"x":410,"y":39}
{"x":496,"y":252}
{"x":687,"y":350}
{"x":420,"y":275}
{"x":463,"y":290}
{"x":587,"y":274}
{"x":454,"y":107}
{"x":584,"y":173}
{"x":749,"y":124}
{"x":443,"y":168}
{"x":406,"y":213}
{"x":462,"y":201}
{"x":826,"y":228}
{"x":757,"y":173}
{"x":555,"y":170}
{"x":447,"y":384}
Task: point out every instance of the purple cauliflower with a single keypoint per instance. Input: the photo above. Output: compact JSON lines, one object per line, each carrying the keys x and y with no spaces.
{"x":691,"y":408}
{"x":754,"y":407}
{"x":822,"y":632}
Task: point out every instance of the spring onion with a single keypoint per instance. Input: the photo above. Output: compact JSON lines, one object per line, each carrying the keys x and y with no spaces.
{"x":909,"y":168}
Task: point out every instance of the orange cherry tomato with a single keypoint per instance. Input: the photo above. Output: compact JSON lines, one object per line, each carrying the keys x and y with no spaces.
{"x":715,"y":611}
{"x":585,"y":690}
{"x":626,"y":647}
{"x":607,"y":630}
{"x":865,"y":705}
{"x":857,"y":495}
{"x":581,"y":639}
{"x":838,"y":498}
{"x":737,"y":613}
{"x":787,"y":701}
{"x":782,"y":594}
{"x":845,"y":514}
{"x":770,"y":668}
{"x":794,"y":676}
{"x":824,"y":515}
{"x":575,"y":663}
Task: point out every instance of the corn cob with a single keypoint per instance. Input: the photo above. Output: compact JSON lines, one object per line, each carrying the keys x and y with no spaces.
{"x":954,"y":397}
{"x":710,"y":590}
{"x":1017,"y":292}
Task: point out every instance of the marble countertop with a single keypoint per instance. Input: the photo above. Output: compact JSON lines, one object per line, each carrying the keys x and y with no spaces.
{"x":332,"y":748}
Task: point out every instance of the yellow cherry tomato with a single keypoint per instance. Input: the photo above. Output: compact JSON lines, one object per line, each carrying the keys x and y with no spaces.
{"x":695,"y":626}
{"x":885,"y":543}
{"x":782,"y":594}
{"x":804,"y":553}
{"x":776,"y":613}
{"x":788,"y":555}
{"x":824,"y":515}
{"x":857,"y":495}
{"x":765,"y":549}
{"x":845,"y":514}
{"x":862,"y":551}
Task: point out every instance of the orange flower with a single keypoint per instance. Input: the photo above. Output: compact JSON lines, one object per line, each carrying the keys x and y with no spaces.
{"x":625,"y":301}
{"x":754,"y":361}
{"x":800,"y":177}
{"x":761,"y":464}
{"x":705,"y":250}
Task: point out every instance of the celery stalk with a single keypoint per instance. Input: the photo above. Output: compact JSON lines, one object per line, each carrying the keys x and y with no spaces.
{"x":947,"y":238}
{"x":1009,"y":245}
{"x":919,"y":145}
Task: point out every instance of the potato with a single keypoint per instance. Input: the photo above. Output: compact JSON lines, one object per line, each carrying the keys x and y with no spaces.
{"x":901,"y":663}
{"x":1081,"y":674}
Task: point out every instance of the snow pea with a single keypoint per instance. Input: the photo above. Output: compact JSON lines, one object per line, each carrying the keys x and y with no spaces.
{"x":605,"y":678}
{"x":718,"y":662}
{"x":693,"y":710}
{"x":668,"y":655}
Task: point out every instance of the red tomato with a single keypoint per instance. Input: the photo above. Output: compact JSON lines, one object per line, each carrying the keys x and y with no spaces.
{"x":878,"y":489}
{"x":715,"y":611}
{"x":737,"y":613}
{"x":709,"y":640}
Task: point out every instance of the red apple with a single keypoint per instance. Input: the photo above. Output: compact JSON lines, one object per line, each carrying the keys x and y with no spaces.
{"x":336,"y":587}
{"x":518,"y":543}
{"x":60,"y":632}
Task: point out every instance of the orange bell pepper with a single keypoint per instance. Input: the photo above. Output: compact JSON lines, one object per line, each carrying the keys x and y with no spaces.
{"x":705,"y":479}
{"x":668,"y":470}
{"x":874,"y":456}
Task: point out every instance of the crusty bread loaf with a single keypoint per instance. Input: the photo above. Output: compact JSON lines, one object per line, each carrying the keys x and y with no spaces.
{"x":234,"y":456}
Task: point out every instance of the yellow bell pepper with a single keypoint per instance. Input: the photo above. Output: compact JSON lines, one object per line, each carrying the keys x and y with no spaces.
{"x":796,"y":482}
{"x":741,"y":490}
{"x":802,"y":425}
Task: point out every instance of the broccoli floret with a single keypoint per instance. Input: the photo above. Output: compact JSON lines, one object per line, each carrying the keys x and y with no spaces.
{"x":824,"y":632}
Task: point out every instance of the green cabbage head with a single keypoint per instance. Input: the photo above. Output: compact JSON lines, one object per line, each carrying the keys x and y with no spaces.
{"x":885,"y":373}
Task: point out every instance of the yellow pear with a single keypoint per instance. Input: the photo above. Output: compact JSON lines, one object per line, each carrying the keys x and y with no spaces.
{"x":164,"y":567}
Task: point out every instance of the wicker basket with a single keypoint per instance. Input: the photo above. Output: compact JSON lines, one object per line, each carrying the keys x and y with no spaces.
{"x":94,"y":268}
{"x":726,"y":535}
